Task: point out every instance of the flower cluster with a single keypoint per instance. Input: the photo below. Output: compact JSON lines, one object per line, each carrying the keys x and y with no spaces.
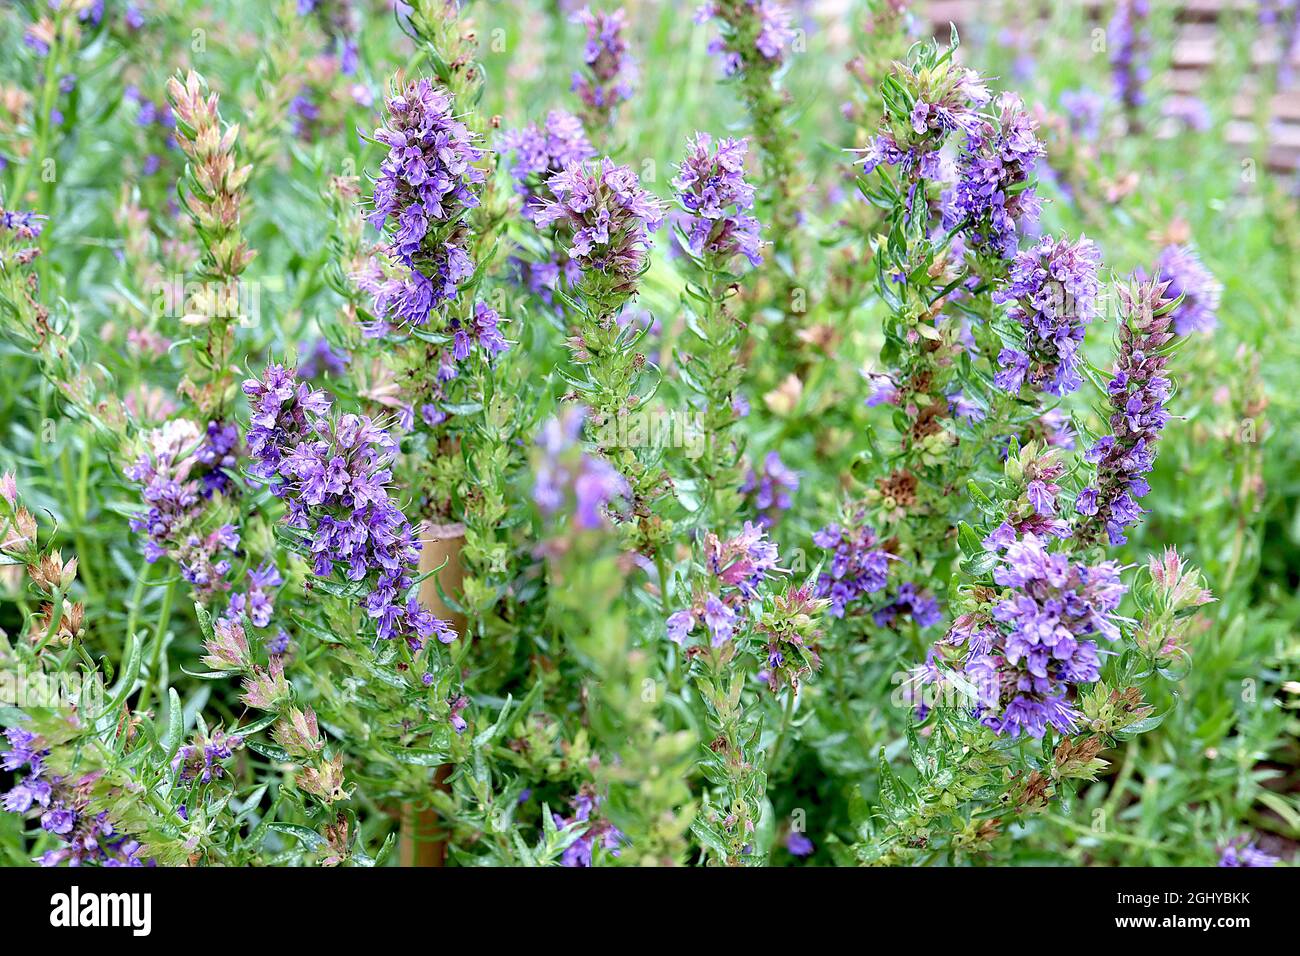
{"x":1137,"y":392}
{"x":333,"y":474}
{"x":565,"y":472}
{"x":990,"y":198}
{"x":425,"y":185}
{"x":1243,"y":852}
{"x":946,"y":100}
{"x":711,"y":187}
{"x":158,"y":123}
{"x":174,"y":482}
{"x":790,"y":630}
{"x":483,"y":329}
{"x":1084,"y":109}
{"x":859,"y":565}
{"x":340,"y":21}
{"x":771,"y":487}
{"x":736,"y":567}
{"x":607,"y":80}
{"x":323,"y":359}
{"x":1053,"y":286}
{"x":752,"y":31}
{"x":607,"y":217}
{"x":1036,"y":468}
{"x":909,"y":601}
{"x":540,"y":152}
{"x":595,"y":829}
{"x":257,"y":603}
{"x":200,"y":761}
{"x":63,"y":807}
{"x":1187,"y":277}
{"x":219,"y":456}
{"x":542,"y":277}
{"x":1023,"y":656}
{"x":19,"y":227}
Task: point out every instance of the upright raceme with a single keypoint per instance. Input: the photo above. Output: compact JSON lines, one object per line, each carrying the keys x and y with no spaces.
{"x":1053,"y":290}
{"x":1129,"y":38}
{"x":607,"y":78}
{"x":990,"y":200}
{"x":711,"y":187}
{"x":1138,"y":391}
{"x":425,"y":186}
{"x":1198,"y":310}
{"x":333,"y":474}
{"x":539,"y":152}
{"x":607,"y":218}
{"x":752,"y":30}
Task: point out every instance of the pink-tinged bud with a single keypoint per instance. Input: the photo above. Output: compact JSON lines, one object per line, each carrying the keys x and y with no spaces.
{"x":1180,"y":586}
{"x":9,"y":489}
{"x":18,"y":535}
{"x":298,"y":733}
{"x":228,"y":647}
{"x":266,"y":689}
{"x":324,"y":780}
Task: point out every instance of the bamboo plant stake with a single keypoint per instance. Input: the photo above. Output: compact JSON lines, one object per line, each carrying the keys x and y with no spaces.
{"x":422,"y":843}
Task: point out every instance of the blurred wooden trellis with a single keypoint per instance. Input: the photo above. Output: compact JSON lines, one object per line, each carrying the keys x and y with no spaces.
{"x":1195,"y":48}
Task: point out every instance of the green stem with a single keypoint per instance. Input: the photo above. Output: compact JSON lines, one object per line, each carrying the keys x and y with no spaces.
{"x":786,"y":718}
{"x":42,"y":118}
{"x":137,"y":596}
{"x":159,"y":635}
{"x":665,"y":599}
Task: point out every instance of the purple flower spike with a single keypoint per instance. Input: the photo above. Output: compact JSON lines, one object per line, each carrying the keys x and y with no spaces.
{"x":1187,"y":276}
{"x":1138,"y":391}
{"x":540,"y":152}
{"x":1054,"y":287}
{"x":607,"y":80}
{"x":1039,"y":639}
{"x":608,"y":219}
{"x":990,"y":201}
{"x":565,"y":472}
{"x":334,"y":475}
{"x":425,"y":186}
{"x":711,"y":187}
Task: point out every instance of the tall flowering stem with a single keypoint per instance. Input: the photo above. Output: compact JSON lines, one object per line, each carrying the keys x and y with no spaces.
{"x":754,"y":45}
{"x":1038,"y":647}
{"x":1128,"y":35}
{"x":52,"y":46}
{"x":214,"y":198}
{"x":608,"y":71}
{"x":604,"y":220}
{"x":719,"y":236}
{"x":279,"y":73}
{"x":488,"y":450}
{"x":1137,"y":392}
{"x":935,"y":275}
{"x":737,"y":613}
{"x":49,"y":335}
